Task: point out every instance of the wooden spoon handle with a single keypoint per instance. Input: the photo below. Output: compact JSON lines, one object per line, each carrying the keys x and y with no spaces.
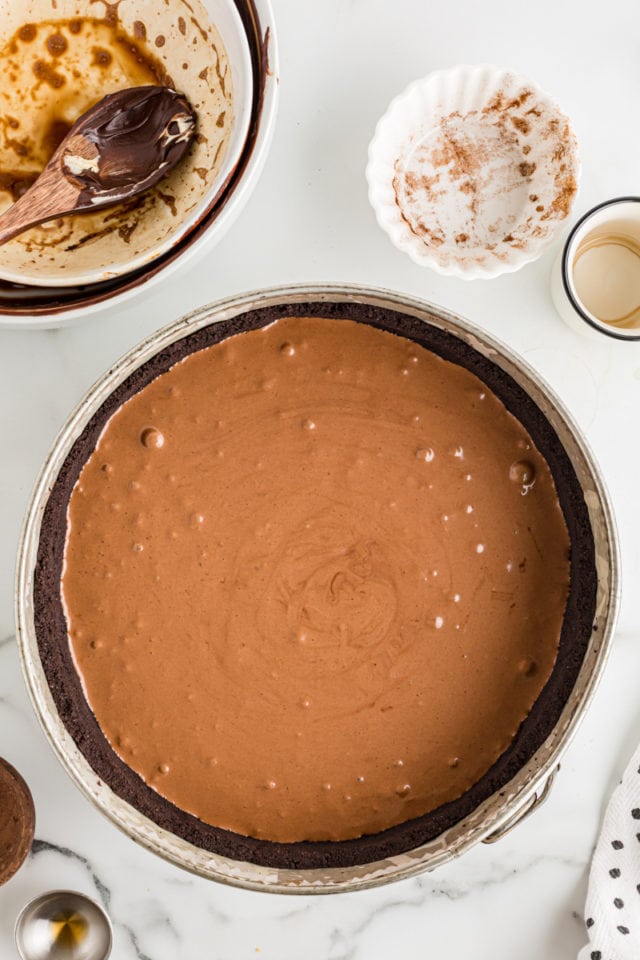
{"x":51,"y":196}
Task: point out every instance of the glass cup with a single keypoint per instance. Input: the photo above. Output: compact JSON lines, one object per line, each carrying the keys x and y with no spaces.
{"x":595,"y":281}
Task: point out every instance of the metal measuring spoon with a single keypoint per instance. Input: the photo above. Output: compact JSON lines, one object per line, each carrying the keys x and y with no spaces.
{"x":126,"y":143}
{"x":63,"y":925}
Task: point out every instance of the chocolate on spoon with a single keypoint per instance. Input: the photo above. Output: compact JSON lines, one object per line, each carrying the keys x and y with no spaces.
{"x":122,"y":146}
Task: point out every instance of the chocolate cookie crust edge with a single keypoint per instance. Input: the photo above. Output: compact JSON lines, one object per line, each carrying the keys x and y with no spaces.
{"x":66,"y":688}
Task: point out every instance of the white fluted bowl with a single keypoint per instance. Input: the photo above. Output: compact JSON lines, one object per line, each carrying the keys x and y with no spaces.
{"x":472,"y":171}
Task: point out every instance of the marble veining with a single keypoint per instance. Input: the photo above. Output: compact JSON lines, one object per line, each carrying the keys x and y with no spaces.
{"x":102,"y":891}
{"x":43,"y":846}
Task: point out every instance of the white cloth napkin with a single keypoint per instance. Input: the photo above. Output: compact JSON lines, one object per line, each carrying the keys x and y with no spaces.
{"x":612,"y":913}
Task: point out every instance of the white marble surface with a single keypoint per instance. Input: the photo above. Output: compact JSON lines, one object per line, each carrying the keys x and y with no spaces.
{"x":342,"y":61}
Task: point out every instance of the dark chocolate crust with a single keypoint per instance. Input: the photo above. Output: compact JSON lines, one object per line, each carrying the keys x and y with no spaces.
{"x":66,"y":688}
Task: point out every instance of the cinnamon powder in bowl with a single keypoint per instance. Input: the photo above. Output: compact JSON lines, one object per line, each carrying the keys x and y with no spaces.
{"x":472,"y":171}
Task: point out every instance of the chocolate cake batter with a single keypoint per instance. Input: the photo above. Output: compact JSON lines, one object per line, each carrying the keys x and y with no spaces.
{"x":315,"y":579}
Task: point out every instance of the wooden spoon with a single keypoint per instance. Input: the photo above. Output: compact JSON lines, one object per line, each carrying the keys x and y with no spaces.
{"x":123,"y":145}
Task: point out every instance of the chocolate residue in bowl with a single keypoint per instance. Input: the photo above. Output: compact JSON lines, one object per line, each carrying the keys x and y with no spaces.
{"x":73,"y":49}
{"x":77,"y":61}
{"x":16,"y":183}
{"x":76,"y":56}
{"x":26,"y":300}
